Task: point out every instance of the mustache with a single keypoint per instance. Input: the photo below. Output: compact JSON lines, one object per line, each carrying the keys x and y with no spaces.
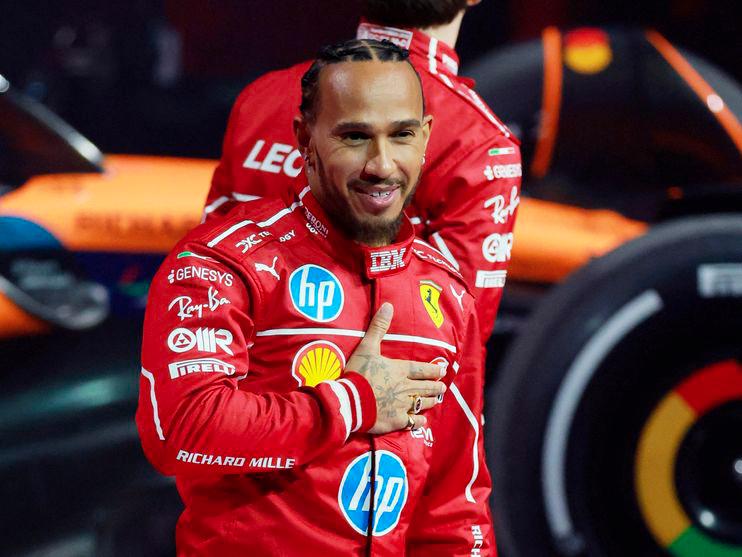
{"x":357,"y":182}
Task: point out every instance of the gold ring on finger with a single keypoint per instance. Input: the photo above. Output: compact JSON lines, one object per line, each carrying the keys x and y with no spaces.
{"x":417,"y":404}
{"x":410,"y":422}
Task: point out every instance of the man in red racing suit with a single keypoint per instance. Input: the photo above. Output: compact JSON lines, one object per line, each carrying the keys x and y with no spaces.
{"x":252,"y":390}
{"x":465,"y":204}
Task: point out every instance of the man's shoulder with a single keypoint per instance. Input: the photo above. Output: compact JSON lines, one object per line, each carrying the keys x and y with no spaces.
{"x":433,"y":258}
{"x":246,"y":229}
{"x":276,"y":84}
{"x":456,"y":106}
{"x":438,"y":271}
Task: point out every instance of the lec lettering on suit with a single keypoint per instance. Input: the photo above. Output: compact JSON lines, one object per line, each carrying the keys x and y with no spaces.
{"x":279,"y":157}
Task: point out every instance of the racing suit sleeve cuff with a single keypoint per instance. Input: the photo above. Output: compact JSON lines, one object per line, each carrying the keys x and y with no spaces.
{"x":357,"y":402}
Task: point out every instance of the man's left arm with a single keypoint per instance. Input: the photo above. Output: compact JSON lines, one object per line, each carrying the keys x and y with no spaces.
{"x":476,"y":199}
{"x":453,"y":517}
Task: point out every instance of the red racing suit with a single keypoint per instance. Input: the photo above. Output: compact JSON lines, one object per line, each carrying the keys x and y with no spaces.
{"x":245,"y":398}
{"x":465,"y":204}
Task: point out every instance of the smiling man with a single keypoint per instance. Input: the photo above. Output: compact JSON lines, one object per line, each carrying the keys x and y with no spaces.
{"x":364,"y":148}
{"x":298,"y":416}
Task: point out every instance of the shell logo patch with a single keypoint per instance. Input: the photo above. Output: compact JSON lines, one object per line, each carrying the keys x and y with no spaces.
{"x":430,"y":293}
{"x":587,"y":50}
{"x":316,"y":362}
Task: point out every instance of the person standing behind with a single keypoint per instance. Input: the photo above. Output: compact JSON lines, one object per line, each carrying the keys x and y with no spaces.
{"x":466,"y":202}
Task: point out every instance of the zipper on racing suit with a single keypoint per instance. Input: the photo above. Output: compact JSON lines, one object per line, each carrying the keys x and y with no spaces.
{"x":374,"y":307}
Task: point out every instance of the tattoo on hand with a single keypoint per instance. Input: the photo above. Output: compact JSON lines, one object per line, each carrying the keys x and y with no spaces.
{"x":387,"y":391}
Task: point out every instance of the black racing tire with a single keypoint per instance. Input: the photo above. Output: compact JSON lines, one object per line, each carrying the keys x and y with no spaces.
{"x":587,"y":377}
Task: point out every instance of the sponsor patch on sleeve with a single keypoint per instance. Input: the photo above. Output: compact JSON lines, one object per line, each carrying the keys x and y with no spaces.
{"x":202,"y":365}
{"x":490,"y":279}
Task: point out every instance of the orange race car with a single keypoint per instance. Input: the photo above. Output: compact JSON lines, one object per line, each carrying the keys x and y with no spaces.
{"x":611,"y":412}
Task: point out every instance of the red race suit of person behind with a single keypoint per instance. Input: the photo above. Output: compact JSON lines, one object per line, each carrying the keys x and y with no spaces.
{"x":254,"y":392}
{"x":465,"y":204}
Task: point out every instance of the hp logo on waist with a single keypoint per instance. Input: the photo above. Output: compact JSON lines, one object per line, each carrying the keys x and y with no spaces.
{"x":390,"y":492}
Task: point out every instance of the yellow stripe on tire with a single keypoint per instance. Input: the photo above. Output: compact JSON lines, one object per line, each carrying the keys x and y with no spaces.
{"x":655,"y":469}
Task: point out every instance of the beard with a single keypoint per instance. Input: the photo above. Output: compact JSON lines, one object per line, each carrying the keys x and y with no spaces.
{"x":373,"y":232}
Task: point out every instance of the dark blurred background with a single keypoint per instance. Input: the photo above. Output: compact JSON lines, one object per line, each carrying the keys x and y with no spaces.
{"x":159,"y":76}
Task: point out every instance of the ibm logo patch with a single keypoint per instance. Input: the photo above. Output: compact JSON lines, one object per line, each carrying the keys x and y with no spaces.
{"x":387,"y":260}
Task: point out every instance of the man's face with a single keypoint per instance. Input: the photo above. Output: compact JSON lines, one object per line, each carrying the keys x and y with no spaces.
{"x":366,"y":145}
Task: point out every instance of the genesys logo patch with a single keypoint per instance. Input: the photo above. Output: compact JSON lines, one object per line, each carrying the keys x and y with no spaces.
{"x":390,"y":486}
{"x":202,"y":273}
{"x":202,"y":365}
{"x":203,"y":339}
{"x":497,"y":171}
{"x":316,"y":293}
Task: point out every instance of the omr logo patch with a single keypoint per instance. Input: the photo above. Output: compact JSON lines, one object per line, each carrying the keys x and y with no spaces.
{"x":316,"y":362}
{"x":390,"y":488}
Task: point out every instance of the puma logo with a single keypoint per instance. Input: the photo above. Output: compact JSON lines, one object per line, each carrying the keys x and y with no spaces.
{"x":458,"y":297}
{"x":271,"y":269}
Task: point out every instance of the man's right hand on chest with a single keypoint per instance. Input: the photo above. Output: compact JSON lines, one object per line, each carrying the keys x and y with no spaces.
{"x":396,"y":383}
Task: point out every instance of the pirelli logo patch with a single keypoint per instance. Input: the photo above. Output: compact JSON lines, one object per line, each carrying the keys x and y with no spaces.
{"x":203,"y":365}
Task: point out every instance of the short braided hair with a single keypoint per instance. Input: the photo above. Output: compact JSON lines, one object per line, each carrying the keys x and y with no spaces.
{"x":356,"y":50}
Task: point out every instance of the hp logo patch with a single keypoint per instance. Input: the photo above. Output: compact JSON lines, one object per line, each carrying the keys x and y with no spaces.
{"x":390,"y":492}
{"x":316,"y":293}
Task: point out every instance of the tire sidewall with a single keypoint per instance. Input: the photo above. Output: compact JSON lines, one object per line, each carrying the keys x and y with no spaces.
{"x":520,"y":403}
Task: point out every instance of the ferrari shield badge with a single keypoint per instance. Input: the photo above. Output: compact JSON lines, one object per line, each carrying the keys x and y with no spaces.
{"x":430,"y":293}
